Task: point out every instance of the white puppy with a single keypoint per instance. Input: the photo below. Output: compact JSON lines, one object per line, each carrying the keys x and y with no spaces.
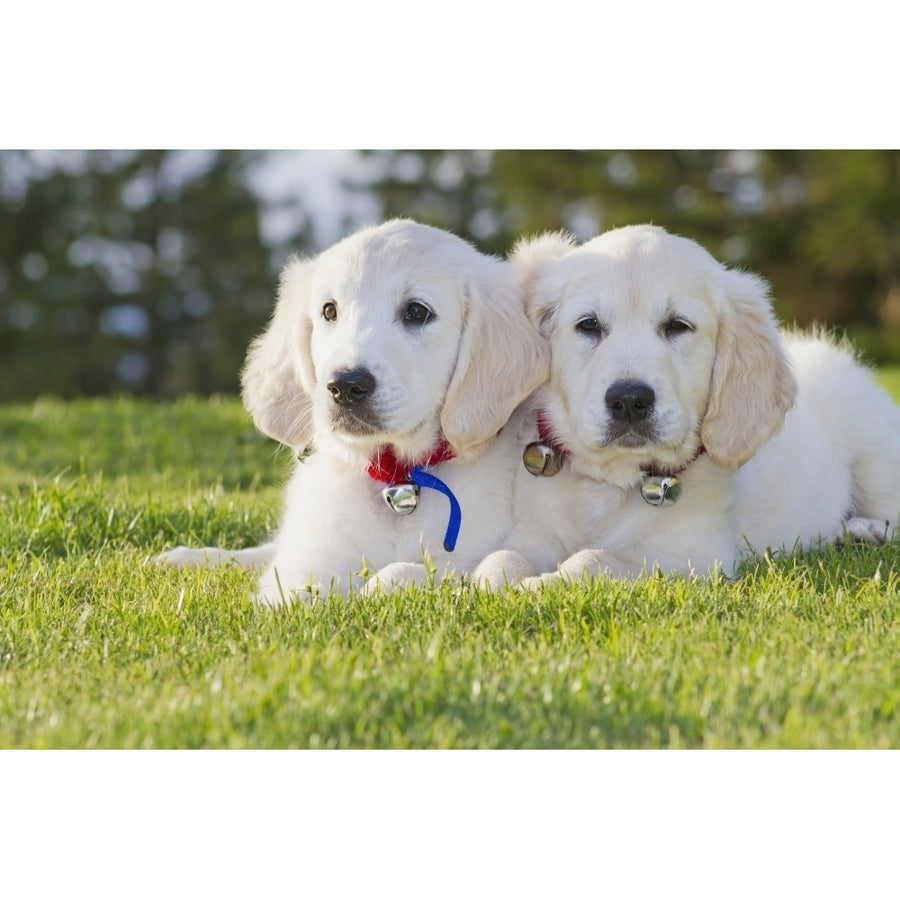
{"x":683,"y":428}
{"x":398,"y":354}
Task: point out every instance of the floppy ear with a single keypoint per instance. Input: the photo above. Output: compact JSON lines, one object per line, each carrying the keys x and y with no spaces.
{"x":278,"y":377}
{"x":752,"y":385}
{"x":530,"y":256}
{"x":501,"y":360}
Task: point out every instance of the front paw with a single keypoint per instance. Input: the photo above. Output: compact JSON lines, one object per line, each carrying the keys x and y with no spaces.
{"x":187,"y":557}
{"x":535,"y":582}
{"x":867,"y":531}
{"x":503,"y":568}
{"x":394,"y":576}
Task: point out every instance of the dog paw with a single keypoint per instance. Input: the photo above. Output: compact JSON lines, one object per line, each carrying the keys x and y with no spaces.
{"x":186,"y":557}
{"x":535,"y":582}
{"x":869,"y":531}
{"x":394,"y":576}
{"x":502,"y":568}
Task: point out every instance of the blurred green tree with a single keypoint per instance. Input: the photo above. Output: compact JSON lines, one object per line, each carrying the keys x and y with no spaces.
{"x":128,"y":270}
{"x":147,"y":271}
{"x":829,"y":238}
{"x":451,"y":189}
{"x":822,"y":226}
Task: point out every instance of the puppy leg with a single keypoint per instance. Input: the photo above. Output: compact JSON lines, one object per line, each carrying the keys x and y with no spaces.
{"x":501,"y":568}
{"x":876,"y":490}
{"x":864,"y":418}
{"x":578,"y":566}
{"x":869,"y":531}
{"x":201,"y":557}
{"x":592,"y":562}
{"x":395,"y":575}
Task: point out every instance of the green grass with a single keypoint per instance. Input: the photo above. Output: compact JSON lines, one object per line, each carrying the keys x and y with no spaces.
{"x":101,"y":647}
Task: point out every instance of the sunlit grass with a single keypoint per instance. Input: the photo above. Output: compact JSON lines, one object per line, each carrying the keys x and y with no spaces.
{"x":101,"y":647}
{"x":889,"y":378}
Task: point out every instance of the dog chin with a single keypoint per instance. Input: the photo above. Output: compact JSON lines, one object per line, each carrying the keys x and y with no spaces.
{"x":364,"y":439}
{"x":628,"y":441}
{"x":630,"y":454}
{"x":618,"y":459}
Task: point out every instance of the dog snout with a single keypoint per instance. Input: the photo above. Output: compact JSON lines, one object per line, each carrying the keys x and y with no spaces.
{"x":351,"y":387}
{"x":630,"y":401}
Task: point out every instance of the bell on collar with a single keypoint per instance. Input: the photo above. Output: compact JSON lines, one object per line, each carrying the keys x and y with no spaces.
{"x":402,"y":498}
{"x":660,"y":490}
{"x":541,"y":459}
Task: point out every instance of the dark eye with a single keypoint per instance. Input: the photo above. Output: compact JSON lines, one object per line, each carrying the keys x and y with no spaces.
{"x":590,"y":325}
{"x":675,"y":327}
{"x":416,"y":313}
{"x":329,"y":311}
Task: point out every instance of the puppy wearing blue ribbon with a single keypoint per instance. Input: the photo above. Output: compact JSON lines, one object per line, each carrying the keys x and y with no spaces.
{"x":397,"y":356}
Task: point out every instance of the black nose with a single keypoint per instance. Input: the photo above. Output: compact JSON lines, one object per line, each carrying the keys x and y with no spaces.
{"x":630,"y":401}
{"x":352,"y":386}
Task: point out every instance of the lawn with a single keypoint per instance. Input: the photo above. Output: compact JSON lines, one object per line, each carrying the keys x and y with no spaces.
{"x":102,"y":647}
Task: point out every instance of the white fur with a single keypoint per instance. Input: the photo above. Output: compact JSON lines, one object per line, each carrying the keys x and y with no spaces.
{"x":459,"y":376}
{"x":801,"y":443}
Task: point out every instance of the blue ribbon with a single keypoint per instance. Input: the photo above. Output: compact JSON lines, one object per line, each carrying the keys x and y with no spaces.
{"x":420,"y":477}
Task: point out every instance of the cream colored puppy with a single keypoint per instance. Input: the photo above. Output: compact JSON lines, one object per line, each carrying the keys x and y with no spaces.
{"x":398,"y":355}
{"x":682,"y":427}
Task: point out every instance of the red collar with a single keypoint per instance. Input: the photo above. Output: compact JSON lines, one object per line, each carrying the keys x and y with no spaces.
{"x":546,"y":436}
{"x":385,"y":466}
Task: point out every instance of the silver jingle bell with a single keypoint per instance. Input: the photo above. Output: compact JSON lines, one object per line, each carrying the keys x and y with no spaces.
{"x":402,"y":498}
{"x":661,"y":491}
{"x":541,"y":459}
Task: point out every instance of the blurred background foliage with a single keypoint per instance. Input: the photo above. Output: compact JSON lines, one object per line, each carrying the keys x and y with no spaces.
{"x":150,"y":271}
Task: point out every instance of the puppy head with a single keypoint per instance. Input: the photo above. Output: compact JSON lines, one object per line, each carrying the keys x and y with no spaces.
{"x":655,"y":349}
{"x":396,"y":335}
